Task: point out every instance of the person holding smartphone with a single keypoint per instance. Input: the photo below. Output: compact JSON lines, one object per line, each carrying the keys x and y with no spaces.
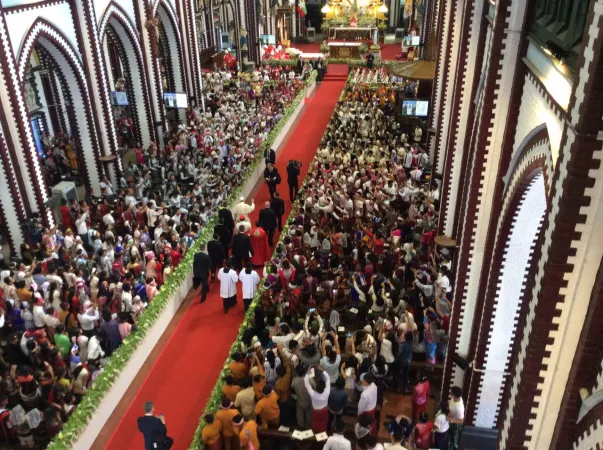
{"x":153,"y":429}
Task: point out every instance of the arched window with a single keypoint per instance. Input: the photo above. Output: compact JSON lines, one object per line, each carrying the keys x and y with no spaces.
{"x":561,"y":23}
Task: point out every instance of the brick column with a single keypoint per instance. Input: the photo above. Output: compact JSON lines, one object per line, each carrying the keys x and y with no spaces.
{"x":554,"y":328}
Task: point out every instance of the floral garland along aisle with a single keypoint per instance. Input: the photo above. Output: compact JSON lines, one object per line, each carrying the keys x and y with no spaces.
{"x":86,"y":409}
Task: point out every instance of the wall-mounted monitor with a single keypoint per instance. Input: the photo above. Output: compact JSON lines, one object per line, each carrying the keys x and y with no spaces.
{"x":411,"y":41}
{"x":417,"y":108}
{"x":177,"y":100}
{"x":268,"y":39}
{"x":119,"y":98}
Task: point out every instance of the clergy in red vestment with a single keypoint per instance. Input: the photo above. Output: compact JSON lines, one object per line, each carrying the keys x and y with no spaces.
{"x":259,"y":243}
{"x":66,"y":218}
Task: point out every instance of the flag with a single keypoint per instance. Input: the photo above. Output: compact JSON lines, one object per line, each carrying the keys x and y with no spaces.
{"x":301,"y":8}
{"x":408,"y":9}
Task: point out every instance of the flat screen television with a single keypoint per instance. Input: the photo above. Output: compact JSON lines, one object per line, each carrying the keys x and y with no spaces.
{"x":119,"y":98}
{"x":175,"y":100}
{"x":268,"y":39}
{"x":415,"y":108}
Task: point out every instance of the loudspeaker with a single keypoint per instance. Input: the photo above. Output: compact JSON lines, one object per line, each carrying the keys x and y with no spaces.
{"x":399,"y":35}
{"x":311,"y":34}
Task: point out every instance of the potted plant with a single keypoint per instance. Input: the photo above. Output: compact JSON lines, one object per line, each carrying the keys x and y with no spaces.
{"x":363,"y":49}
{"x":366,"y":21}
{"x":324,"y":48}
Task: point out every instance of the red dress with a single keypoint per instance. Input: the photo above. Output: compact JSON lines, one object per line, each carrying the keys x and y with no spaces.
{"x":423,"y":435}
{"x":65,"y":217}
{"x":259,"y":243}
{"x":176,"y":258}
{"x":419,"y":400}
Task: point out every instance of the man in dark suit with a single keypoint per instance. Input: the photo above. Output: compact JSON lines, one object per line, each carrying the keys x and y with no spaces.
{"x":201,"y":269}
{"x":217,"y":254}
{"x":272,"y":177}
{"x":226,"y":214}
{"x":293,"y":170}
{"x":269,"y":156}
{"x":224,"y":234}
{"x":277,"y":204}
{"x":241,"y":248}
{"x":268,"y":222}
{"x":153,"y":429}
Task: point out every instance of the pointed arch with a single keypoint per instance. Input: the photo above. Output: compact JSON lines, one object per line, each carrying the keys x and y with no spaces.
{"x":519,"y":232}
{"x":169,"y":19}
{"x":535,"y":145}
{"x":68,"y":62}
{"x":116,"y":17}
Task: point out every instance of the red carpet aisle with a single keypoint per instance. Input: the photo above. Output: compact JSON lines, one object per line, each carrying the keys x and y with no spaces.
{"x":185,"y":372}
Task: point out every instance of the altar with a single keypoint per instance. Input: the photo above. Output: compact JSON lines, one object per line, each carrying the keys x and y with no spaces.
{"x":353,"y":33}
{"x":311,"y":56}
{"x":344,"y":49}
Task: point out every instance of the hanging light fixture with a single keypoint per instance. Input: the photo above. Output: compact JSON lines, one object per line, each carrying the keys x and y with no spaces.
{"x":326,"y":9}
{"x":382,"y":8}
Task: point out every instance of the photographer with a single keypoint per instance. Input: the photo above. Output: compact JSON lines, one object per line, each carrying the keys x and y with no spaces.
{"x":293,"y":169}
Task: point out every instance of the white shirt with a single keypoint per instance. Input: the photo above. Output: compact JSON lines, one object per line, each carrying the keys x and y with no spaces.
{"x":82,"y":343}
{"x":319,"y":401}
{"x":444,"y":284}
{"x":108,"y":220}
{"x":368,"y":399}
{"x":250,"y":283}
{"x":441,"y":423}
{"x":94,"y":349}
{"x":386,"y":351}
{"x":106,"y":185}
{"x":126,"y":301}
{"x":379,"y":446}
{"x":58,"y":280}
{"x":82,"y":227}
{"x":39,"y":315}
{"x":228,"y":283}
{"x":457,"y":409}
{"x":283,"y":340}
{"x":51,"y":322}
{"x":337,"y":442}
{"x":87,"y":321}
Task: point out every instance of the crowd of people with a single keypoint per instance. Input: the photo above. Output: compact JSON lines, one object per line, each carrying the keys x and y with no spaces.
{"x":78,"y":290}
{"x":356,"y":291}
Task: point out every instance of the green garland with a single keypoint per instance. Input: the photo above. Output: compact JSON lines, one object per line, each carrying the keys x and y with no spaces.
{"x":353,"y":63}
{"x":86,"y":409}
{"x":215,"y":400}
{"x":280,"y":62}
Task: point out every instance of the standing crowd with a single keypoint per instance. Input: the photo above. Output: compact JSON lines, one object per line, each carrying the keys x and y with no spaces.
{"x":77,"y":290}
{"x":355,"y":293}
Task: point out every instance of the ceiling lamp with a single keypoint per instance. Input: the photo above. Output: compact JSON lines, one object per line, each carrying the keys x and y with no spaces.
{"x":382,"y":8}
{"x":326,"y":9}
